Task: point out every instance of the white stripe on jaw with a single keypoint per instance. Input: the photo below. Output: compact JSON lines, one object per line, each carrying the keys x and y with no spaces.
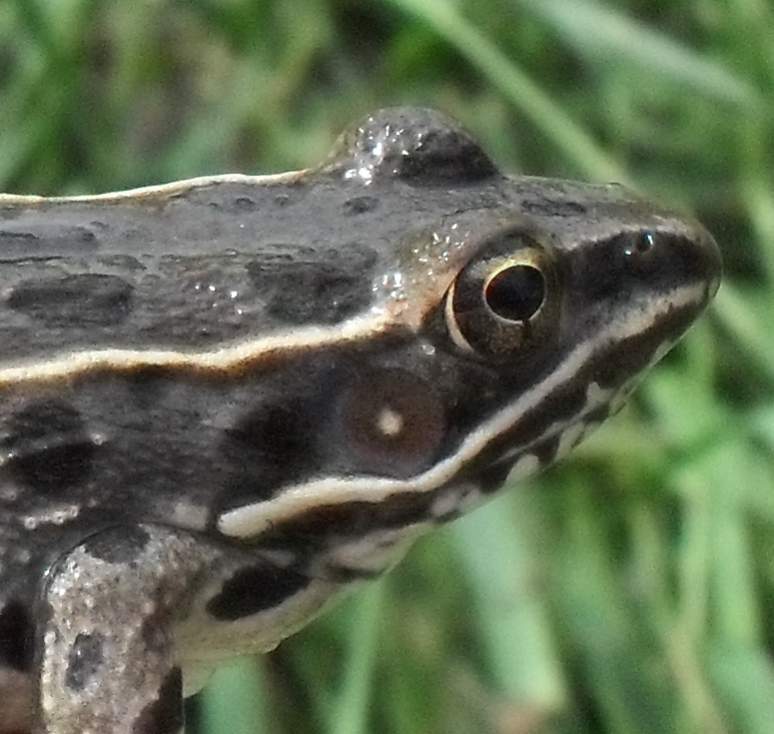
{"x":252,"y":519}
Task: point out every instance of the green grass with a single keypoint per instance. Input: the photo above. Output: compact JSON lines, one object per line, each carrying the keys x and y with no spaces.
{"x":628,"y":590}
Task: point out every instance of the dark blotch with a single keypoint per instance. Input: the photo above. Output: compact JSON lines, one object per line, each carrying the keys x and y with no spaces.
{"x":491,"y":478}
{"x":86,"y":299}
{"x":255,"y":589}
{"x":360,"y":204}
{"x":553,"y":207}
{"x":48,"y":446}
{"x":270,"y":445}
{"x":165,"y":714}
{"x":244,"y":204}
{"x":546,"y":450}
{"x":237,"y":205}
{"x":85,"y":660}
{"x":321,"y":287}
{"x":16,"y":636}
{"x":117,"y":545}
{"x":17,"y":236}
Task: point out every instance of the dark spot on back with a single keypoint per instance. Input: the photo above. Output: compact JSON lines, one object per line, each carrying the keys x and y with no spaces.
{"x":165,"y":714}
{"x":87,"y":299}
{"x":17,"y":236}
{"x":125,"y":262}
{"x":360,"y":204}
{"x":117,"y":545}
{"x":321,"y":287}
{"x":84,"y":661}
{"x":16,"y":636}
{"x":48,"y":447}
{"x":553,"y":207}
{"x":43,"y":237}
{"x":252,"y":590}
{"x":235,"y":205}
{"x":244,"y":204}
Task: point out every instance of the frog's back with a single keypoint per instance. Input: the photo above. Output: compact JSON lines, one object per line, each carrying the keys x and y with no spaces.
{"x":183,"y":268}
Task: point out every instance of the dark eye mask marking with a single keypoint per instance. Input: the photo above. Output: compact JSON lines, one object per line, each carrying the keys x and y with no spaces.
{"x":255,"y":589}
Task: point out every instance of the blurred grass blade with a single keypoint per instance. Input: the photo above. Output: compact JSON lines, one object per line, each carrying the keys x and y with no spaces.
{"x":349,"y":714}
{"x":553,"y":121}
{"x":512,"y":617}
{"x":233,"y":700}
{"x":749,"y":324}
{"x":744,"y":679}
{"x":604,"y":33}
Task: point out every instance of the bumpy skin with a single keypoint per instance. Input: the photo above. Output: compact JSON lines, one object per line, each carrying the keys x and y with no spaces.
{"x":224,"y":400}
{"x":81,"y":692}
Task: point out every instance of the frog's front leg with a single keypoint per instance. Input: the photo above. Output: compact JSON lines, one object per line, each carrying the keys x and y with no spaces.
{"x":105,"y":644}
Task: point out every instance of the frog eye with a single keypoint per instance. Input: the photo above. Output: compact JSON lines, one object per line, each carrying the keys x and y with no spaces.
{"x":516,"y":292}
{"x":505,"y":299}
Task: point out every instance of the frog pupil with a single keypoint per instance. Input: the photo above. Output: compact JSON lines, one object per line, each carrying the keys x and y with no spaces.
{"x":516,"y":293}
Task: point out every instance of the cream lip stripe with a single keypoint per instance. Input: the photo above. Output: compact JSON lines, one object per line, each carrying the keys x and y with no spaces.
{"x":253,"y":519}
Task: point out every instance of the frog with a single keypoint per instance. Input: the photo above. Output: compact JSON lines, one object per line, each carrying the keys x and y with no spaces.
{"x":227,"y":400}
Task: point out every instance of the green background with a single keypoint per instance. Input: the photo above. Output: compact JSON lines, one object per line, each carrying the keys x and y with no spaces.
{"x":629,"y":589}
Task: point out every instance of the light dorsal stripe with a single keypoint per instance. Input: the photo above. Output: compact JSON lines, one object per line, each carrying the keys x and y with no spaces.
{"x":174,"y":188}
{"x":251,"y":520}
{"x":221,"y":360}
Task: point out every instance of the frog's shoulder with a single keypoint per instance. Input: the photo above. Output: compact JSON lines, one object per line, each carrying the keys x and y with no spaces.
{"x":417,"y":145}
